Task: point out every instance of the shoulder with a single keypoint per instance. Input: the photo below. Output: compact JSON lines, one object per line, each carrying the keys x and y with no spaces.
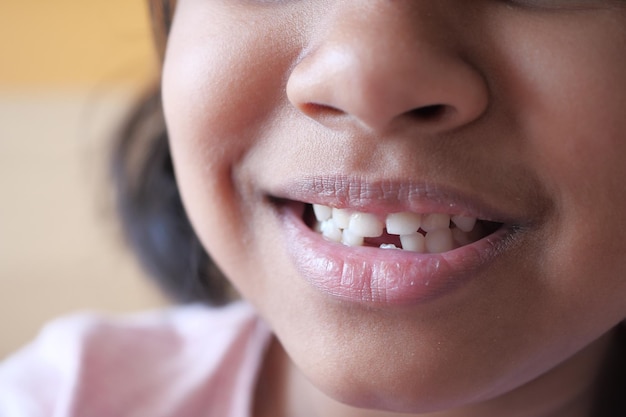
{"x":147,"y":363}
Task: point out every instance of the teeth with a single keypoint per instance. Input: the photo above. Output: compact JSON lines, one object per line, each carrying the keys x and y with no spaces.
{"x":464,"y":223}
{"x":322,"y":213}
{"x":438,"y":241}
{"x":366,"y":225}
{"x":388,"y":246}
{"x":351,"y":239}
{"x":341,"y":217}
{"x":403,"y":223}
{"x":415,"y":242}
{"x":423,"y":233}
{"x":460,"y":237}
{"x":435,"y":221}
{"x":330,"y":230}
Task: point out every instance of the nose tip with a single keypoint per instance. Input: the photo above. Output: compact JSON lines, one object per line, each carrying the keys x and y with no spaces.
{"x":377,"y":77}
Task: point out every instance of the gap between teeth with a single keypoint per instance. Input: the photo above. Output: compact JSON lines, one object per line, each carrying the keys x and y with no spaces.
{"x":424,"y":233}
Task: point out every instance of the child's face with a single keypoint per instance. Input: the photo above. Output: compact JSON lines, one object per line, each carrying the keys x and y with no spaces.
{"x":513,"y":112}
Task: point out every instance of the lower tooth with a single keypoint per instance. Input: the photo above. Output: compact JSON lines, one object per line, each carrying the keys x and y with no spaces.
{"x":460,"y":237}
{"x":350,"y":239}
{"x":414,"y":242}
{"x":388,"y":246}
{"x":330,"y":230}
{"x":438,"y":241}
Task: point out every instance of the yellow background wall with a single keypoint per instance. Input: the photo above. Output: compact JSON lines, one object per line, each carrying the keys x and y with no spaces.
{"x":77,"y":42}
{"x":69,"y":70}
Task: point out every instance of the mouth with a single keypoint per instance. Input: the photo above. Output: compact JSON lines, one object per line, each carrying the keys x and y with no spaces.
{"x":409,"y":231}
{"x":392,"y":243}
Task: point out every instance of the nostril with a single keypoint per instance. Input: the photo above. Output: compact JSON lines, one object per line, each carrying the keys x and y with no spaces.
{"x":433,"y":112}
{"x":315,"y":109}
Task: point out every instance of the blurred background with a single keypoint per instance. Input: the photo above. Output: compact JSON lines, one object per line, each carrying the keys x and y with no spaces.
{"x":69,"y":70}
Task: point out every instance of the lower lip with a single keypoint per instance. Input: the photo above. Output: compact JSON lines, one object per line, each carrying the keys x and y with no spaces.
{"x":380,"y":276}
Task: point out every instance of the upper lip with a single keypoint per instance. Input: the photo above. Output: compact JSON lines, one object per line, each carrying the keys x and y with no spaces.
{"x":388,"y":196}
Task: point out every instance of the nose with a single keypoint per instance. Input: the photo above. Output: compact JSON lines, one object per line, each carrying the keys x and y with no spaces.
{"x":388,"y":63}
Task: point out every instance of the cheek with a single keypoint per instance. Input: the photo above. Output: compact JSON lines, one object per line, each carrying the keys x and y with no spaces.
{"x":205,"y":119}
{"x":213,"y":92}
{"x":224,"y":74}
{"x":567,"y":90}
{"x":219,"y":103}
{"x":570,"y":106}
{"x":216,"y":99}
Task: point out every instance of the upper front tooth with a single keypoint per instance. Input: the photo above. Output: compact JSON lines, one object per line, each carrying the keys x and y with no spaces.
{"x":403,"y":223}
{"x":435,"y":221}
{"x":464,"y":223}
{"x":322,"y":213}
{"x":366,"y":225}
{"x":341,"y":217}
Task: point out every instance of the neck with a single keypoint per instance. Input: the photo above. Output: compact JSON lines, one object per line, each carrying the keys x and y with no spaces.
{"x":565,"y":391}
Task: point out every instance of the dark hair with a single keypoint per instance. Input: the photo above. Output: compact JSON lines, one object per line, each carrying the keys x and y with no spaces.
{"x":610,"y":398}
{"x":149,"y":204}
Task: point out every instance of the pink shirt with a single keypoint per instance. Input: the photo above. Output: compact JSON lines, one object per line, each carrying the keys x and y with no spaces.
{"x":186,"y":361}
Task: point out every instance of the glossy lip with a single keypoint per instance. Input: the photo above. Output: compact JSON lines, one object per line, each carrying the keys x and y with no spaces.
{"x":376,"y":276}
{"x":383,"y":197}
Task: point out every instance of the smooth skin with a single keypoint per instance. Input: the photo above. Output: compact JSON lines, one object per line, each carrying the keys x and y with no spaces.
{"x":518,"y":104}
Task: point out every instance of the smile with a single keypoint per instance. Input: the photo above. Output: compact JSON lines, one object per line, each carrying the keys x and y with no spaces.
{"x":390,"y":243}
{"x":415,"y":232}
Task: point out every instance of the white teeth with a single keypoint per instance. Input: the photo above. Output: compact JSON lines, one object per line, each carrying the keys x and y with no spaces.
{"x":366,"y":225}
{"x":388,"y":246}
{"x":414,"y":242}
{"x":438,"y":241}
{"x":330,"y":230}
{"x":423,"y":233}
{"x":341,"y":217}
{"x":403,"y":223}
{"x":435,"y":221}
{"x":351,"y":239}
{"x":460,"y":237}
{"x":464,"y":223}
{"x":322,"y":213}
